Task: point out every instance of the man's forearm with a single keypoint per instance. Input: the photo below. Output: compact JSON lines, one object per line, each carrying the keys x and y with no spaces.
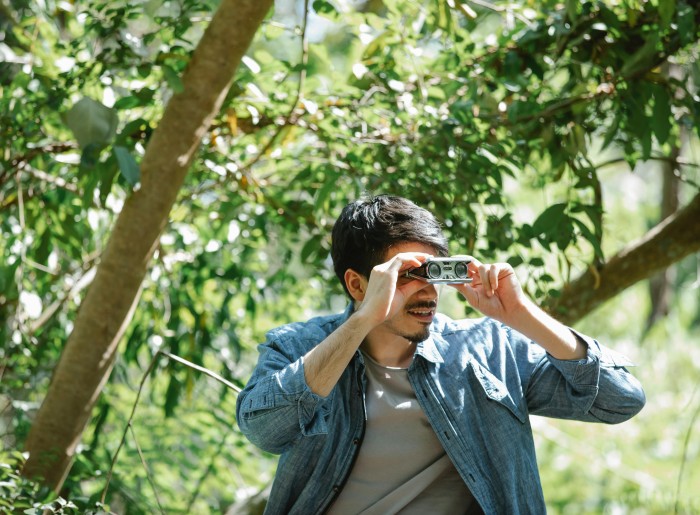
{"x":553,"y":336}
{"x":325,"y":363}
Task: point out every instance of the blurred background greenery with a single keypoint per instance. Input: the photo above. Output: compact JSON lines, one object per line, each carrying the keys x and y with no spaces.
{"x":548,"y":134}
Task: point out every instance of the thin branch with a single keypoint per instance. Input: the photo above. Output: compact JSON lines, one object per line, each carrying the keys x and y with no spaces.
{"x":664,"y":159}
{"x":209,"y":470}
{"x":56,"y":181}
{"x":206,"y":371}
{"x":7,"y":406}
{"x":290,"y":119}
{"x":19,"y":162}
{"x":128,"y":424}
{"x":83,"y":282}
{"x":487,"y":5}
{"x":685,"y":458}
{"x":145,"y":467}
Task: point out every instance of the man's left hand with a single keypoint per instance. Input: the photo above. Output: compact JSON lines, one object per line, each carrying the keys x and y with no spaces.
{"x":495,"y":290}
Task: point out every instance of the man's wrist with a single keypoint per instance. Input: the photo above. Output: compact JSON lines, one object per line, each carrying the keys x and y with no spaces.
{"x":550,"y":334}
{"x":523,"y":315}
{"x":362,"y":322}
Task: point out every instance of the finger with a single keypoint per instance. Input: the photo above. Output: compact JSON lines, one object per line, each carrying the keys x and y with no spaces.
{"x":399,"y":262}
{"x":494,"y":270}
{"x":485,"y":280}
{"x":474,"y":264}
{"x":473,"y":268}
{"x":468,"y":292}
{"x":410,"y":259}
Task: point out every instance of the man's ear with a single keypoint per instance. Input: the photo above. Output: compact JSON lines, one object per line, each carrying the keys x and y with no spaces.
{"x":356,"y":283}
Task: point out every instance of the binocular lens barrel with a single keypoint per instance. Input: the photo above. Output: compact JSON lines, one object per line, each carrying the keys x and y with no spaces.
{"x":461,"y":270}
{"x":433,"y":270}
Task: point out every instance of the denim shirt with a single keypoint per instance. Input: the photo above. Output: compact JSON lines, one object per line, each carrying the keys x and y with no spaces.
{"x":477,"y":381}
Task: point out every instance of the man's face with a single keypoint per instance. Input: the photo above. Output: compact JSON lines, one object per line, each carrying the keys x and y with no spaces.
{"x":413,"y":321}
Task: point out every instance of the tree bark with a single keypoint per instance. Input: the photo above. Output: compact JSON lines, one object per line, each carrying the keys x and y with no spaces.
{"x":660,"y":285}
{"x":89,"y":354}
{"x":673,"y":239}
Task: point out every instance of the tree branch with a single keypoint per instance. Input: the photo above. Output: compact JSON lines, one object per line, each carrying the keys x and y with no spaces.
{"x":673,"y":239}
{"x":90,"y":351}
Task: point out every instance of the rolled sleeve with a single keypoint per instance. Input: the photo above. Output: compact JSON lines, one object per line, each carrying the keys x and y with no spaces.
{"x":595,"y":388}
{"x":583,"y":372}
{"x":278,"y":408}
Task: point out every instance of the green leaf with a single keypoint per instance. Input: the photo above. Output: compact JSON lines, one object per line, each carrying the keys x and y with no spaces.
{"x":310,"y":248}
{"x":173,"y":79}
{"x":515,"y":261}
{"x":91,"y":122}
{"x":666,"y":10}
{"x":686,"y":24}
{"x":549,"y":219}
{"x":661,"y":114}
{"x":90,"y":155}
{"x":572,"y":8}
{"x":128,"y":166}
{"x":127,"y":102}
{"x":172,"y":396}
{"x":645,"y":141}
{"x":642,"y":58}
{"x":108,"y":175}
{"x":611,"y":132}
{"x":590,"y":237}
{"x":324,"y":7}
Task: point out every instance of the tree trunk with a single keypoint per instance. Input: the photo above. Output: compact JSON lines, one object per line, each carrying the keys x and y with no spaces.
{"x":660,"y":285}
{"x":673,"y":239}
{"x":105,"y":312}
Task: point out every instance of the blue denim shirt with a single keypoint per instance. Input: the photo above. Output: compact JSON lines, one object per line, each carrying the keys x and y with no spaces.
{"x":477,"y":381}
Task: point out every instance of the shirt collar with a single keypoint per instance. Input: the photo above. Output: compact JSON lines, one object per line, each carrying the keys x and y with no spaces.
{"x":429,"y":350}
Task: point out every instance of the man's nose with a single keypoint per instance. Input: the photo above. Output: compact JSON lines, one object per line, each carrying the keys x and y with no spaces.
{"x":429,"y":291}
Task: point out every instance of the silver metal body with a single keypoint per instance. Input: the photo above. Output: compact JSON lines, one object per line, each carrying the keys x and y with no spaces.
{"x":446,"y":270}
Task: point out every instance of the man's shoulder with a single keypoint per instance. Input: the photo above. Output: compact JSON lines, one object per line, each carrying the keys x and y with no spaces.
{"x":317,"y":327}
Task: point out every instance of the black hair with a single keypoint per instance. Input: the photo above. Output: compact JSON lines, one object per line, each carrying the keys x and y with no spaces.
{"x":366,"y":229}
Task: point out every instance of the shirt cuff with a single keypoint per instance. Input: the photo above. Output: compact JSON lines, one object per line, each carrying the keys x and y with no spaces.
{"x":311,"y":406}
{"x":581,"y":372}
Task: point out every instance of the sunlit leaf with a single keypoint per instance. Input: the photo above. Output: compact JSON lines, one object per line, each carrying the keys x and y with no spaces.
{"x":91,"y":122}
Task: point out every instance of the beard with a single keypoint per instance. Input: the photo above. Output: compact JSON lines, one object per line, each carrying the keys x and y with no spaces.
{"x":418,"y":335}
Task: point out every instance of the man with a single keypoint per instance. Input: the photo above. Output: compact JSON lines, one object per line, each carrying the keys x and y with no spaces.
{"x":393,"y":407}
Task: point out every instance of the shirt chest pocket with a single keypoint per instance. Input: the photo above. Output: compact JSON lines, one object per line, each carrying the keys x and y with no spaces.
{"x":495,"y":391}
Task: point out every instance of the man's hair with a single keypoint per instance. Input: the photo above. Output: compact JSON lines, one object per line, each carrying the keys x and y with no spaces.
{"x":366,"y":229}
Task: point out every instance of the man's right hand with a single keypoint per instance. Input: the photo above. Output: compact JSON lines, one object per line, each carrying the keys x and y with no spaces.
{"x":377,"y":298}
{"x":386,"y":291}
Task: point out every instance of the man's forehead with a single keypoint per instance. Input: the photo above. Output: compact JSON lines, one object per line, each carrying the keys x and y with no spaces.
{"x":409,"y":246}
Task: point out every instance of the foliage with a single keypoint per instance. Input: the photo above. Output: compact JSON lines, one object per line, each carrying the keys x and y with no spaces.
{"x":20,"y":495}
{"x":459,"y":106}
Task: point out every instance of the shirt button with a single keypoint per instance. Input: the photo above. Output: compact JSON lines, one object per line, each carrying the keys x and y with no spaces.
{"x":336,"y":489}
{"x":356,"y":441}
